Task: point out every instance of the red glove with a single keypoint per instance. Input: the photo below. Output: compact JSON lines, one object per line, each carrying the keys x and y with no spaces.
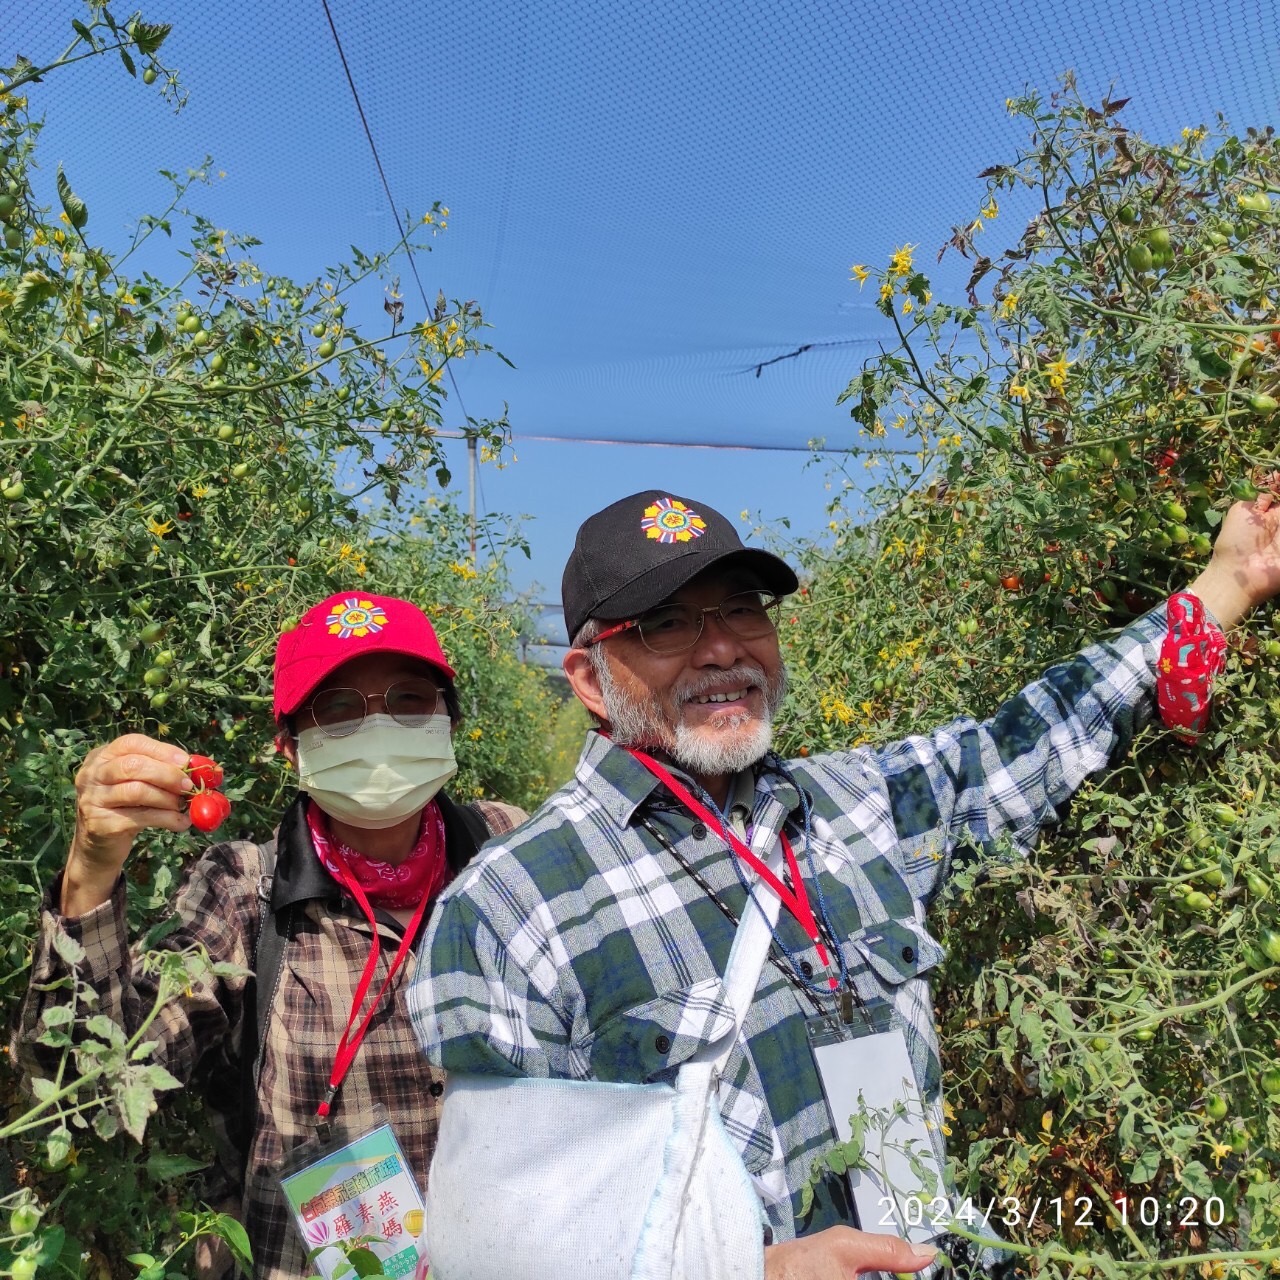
{"x":1193,"y":653}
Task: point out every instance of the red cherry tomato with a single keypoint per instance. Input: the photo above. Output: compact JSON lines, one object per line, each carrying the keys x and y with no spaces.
{"x":209,"y":810}
{"x":1011,"y":582}
{"x":205,"y":772}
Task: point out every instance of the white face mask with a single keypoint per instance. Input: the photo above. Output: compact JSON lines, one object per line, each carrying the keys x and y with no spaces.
{"x":379,"y":775}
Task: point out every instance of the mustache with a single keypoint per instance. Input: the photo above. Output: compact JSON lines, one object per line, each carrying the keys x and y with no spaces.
{"x":720,"y":682}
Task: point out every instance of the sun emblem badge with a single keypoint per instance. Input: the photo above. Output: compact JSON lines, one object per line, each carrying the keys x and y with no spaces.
{"x":669,"y":520}
{"x":355,"y":617}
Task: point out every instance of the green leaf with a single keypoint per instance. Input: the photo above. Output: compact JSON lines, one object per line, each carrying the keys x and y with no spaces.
{"x":75,"y":209}
{"x":34,"y":288}
{"x":106,"y":1125}
{"x":141,"y":1260}
{"x":366,"y":1262}
{"x":58,"y":1147}
{"x":129,"y":65}
{"x":149,"y":36}
{"x":58,"y":1015}
{"x":51,"y":1242}
{"x":163,"y":1166}
{"x":1146,"y":1166}
{"x":1196,"y":1179}
{"x":136,"y":1103}
{"x":235,"y":1237}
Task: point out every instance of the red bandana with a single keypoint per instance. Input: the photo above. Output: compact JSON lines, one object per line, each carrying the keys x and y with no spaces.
{"x":1191,"y":655}
{"x":386,"y":884}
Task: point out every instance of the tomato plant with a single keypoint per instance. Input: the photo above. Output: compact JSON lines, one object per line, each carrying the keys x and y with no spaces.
{"x":1108,"y":1007}
{"x":180,"y":479}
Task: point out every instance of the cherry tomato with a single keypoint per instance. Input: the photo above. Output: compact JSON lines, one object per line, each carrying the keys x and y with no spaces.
{"x":209,"y":810}
{"x":1011,"y":582}
{"x":23,"y":1267}
{"x":24,"y":1219}
{"x":149,"y":76}
{"x":1216,"y":1107}
{"x":205,"y":772}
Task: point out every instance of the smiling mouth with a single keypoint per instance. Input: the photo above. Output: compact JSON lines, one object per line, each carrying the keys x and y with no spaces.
{"x":708,"y":699}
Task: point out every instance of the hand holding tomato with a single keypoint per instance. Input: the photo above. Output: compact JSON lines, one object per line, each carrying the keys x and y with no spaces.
{"x":840,"y":1253}
{"x":124,"y":787}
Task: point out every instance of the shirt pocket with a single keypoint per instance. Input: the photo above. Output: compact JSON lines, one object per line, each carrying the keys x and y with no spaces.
{"x":647,"y":1042}
{"x":896,"y":950}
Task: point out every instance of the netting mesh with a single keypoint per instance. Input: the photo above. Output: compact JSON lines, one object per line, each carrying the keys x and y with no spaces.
{"x":650,"y":199}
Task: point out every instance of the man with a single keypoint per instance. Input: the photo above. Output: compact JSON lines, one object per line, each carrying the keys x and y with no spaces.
{"x":586,"y":946}
{"x":365,"y":704}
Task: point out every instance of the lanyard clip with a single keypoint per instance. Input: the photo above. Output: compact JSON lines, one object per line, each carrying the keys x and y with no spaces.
{"x":324,"y":1129}
{"x":846,"y":1006}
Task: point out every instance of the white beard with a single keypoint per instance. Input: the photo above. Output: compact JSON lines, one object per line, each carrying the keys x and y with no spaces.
{"x":731,"y":746}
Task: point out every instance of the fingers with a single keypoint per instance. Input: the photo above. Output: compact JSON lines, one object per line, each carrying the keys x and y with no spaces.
{"x":868,"y":1251}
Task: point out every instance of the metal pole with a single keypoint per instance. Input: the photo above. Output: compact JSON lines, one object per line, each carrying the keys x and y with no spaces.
{"x":471,"y":478}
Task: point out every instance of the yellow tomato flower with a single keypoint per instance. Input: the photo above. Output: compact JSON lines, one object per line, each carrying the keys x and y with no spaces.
{"x":900,"y":262}
{"x":990,"y":209}
{"x":859,"y":273}
{"x":158,"y":528}
{"x":1018,"y":391}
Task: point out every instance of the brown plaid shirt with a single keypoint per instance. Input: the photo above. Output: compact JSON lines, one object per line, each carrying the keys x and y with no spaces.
{"x":199,"y":1033}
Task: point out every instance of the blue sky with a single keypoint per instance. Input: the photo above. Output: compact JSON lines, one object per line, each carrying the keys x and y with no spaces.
{"x":648,"y":199}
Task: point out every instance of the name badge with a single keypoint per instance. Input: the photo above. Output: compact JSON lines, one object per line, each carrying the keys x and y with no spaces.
{"x":353,"y":1196}
{"x":866,"y":1070}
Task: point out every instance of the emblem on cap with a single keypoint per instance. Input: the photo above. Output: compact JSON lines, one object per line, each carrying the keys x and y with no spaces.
{"x":355,"y":617}
{"x":669,"y":520}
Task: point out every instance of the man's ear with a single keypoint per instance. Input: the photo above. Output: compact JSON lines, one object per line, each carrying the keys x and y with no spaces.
{"x":581,"y":674}
{"x":287,"y":746}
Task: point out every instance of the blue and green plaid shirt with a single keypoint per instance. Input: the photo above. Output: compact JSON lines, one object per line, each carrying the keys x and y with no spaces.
{"x":579,"y":948}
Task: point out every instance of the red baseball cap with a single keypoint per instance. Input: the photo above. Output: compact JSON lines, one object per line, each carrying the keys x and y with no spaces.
{"x":345,"y":626}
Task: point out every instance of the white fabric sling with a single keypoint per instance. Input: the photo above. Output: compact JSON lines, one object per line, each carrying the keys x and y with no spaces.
{"x":582,"y":1180}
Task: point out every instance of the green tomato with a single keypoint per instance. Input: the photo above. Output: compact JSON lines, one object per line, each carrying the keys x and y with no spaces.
{"x":226,"y":431}
{"x":1261,"y":403}
{"x":1199,"y":903}
{"x":154,"y":677}
{"x":1271,"y":648}
{"x":149,"y":76}
{"x":1127,"y":215}
{"x":1215,"y":1107}
{"x":240,"y":470}
{"x":217,"y":362}
{"x":158,"y":699}
{"x":317,"y":330}
{"x":1269,"y":943}
{"x":1099,"y":1043}
{"x":191,"y":323}
{"x":24,"y":1219}
{"x":1174,"y":510}
{"x":1201,"y":544}
{"x":1238,"y":1140}
{"x":1224,"y":815}
{"x":200,"y":338}
{"x":165,"y":658}
{"x":1254,"y":201}
{"x":1243,"y":490}
{"x":1254,"y":958}
{"x":8,"y":205}
{"x":23,"y":1267}
{"x":12,"y":492}
{"x":1179,"y":534}
{"x":1159,"y":240}
{"x":1140,"y":257}
{"x":326,"y":349}
{"x":342,"y":393}
{"x":152,"y":632}
{"x":1144,"y":1035}
{"x":1270,"y":1081}
{"x":13,"y":237}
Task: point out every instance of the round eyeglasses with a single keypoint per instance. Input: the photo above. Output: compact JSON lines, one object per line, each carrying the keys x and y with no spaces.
{"x":673,"y":628}
{"x":339,"y":712}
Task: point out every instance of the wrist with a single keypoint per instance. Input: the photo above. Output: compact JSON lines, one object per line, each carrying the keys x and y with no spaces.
{"x":1222,"y":592}
{"x":86,"y":884}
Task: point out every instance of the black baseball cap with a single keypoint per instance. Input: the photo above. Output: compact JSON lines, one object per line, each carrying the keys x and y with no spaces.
{"x":636,"y":553}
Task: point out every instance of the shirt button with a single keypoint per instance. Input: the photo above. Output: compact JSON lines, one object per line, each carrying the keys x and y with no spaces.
{"x":908,"y":954}
{"x":436,"y":1088}
{"x":662,"y":1044}
{"x":699,"y":831}
{"x":806,"y":968}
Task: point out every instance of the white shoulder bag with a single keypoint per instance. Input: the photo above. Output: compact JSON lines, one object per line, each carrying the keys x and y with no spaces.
{"x":581,"y":1180}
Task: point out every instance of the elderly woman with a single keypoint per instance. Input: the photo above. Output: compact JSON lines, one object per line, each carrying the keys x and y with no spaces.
{"x":327,"y":912}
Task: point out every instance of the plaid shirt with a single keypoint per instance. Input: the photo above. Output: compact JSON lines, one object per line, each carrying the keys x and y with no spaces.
{"x":199,"y":1033}
{"x":579,"y":949}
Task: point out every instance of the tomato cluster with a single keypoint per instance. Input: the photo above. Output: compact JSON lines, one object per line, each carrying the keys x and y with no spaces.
{"x":209,"y":808}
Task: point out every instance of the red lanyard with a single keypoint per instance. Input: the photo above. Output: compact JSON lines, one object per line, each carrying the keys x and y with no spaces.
{"x":796,"y":899}
{"x":350,"y":1044}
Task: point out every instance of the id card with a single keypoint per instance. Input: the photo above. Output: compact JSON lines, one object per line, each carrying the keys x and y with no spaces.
{"x":866,"y":1071}
{"x":355,"y":1192}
